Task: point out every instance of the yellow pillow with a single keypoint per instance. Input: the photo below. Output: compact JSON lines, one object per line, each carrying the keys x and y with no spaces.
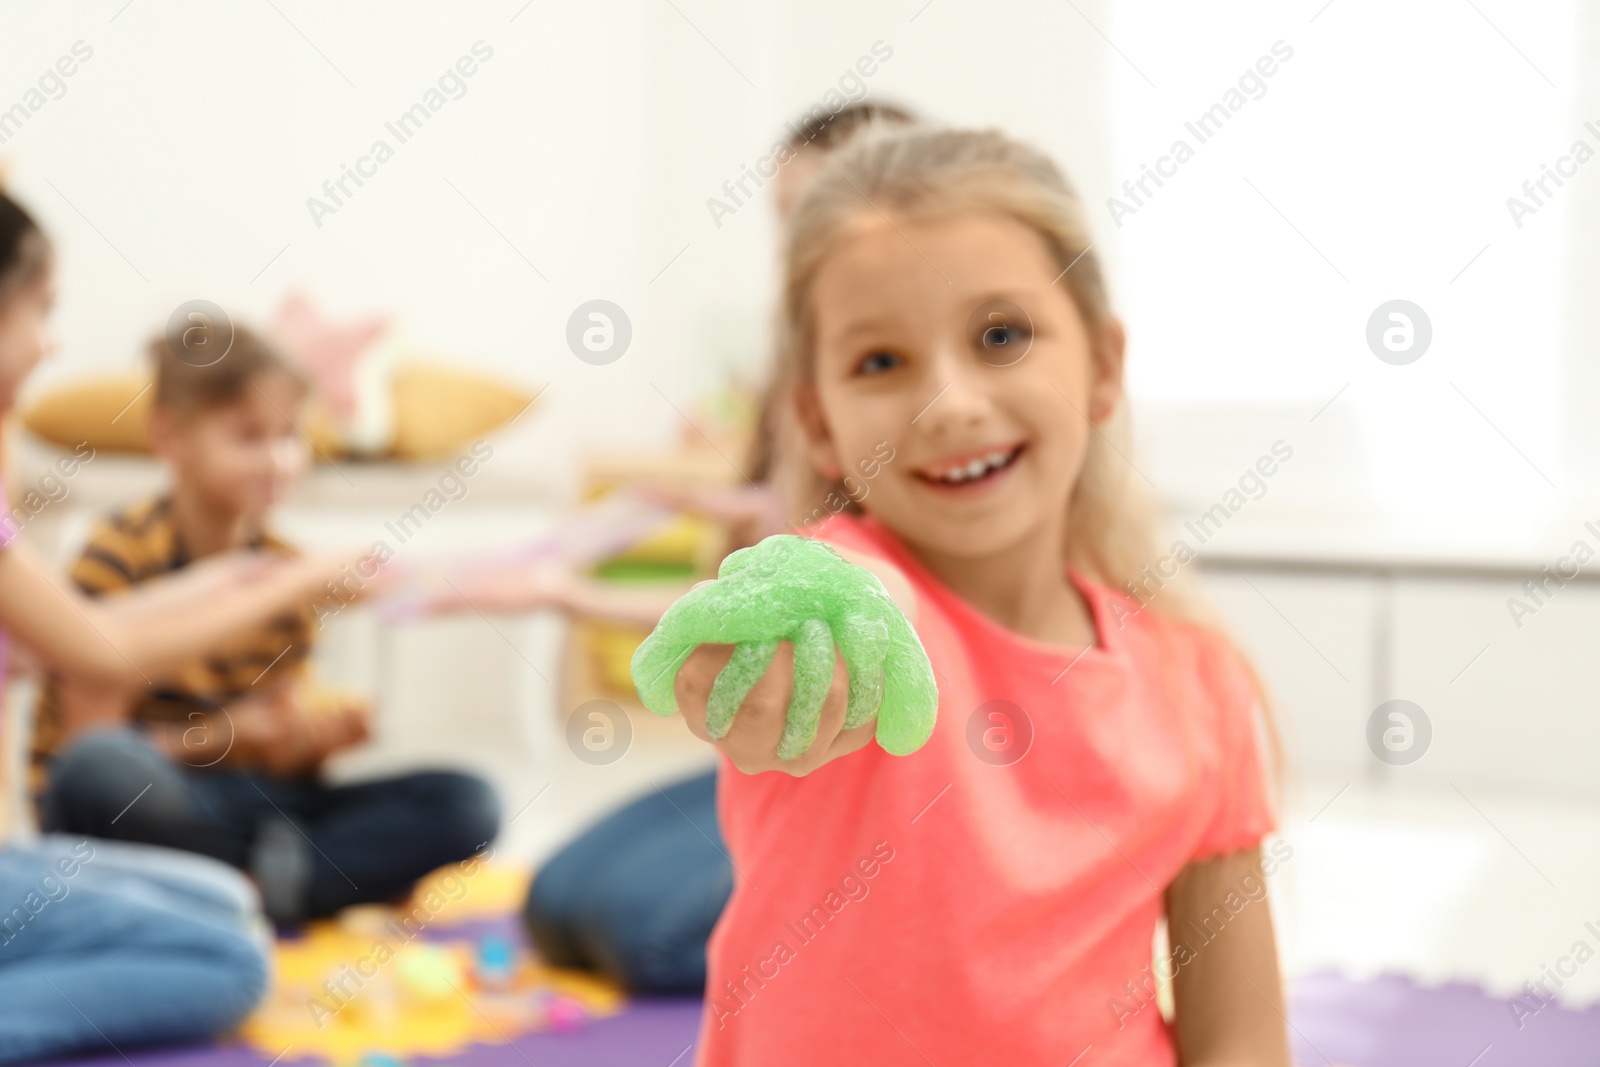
{"x":109,"y":412}
{"x":437,"y":411}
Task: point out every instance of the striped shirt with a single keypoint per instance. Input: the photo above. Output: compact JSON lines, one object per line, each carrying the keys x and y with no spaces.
{"x":137,"y":544}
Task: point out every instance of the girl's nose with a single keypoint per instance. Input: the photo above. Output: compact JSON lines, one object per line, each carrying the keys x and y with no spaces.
{"x":961,"y":394}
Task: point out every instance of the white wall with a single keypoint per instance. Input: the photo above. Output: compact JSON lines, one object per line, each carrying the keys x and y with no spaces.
{"x":1375,"y":164}
{"x":179,"y":161}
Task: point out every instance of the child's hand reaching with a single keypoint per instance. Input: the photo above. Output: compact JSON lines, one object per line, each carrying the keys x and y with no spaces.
{"x":751,"y":513}
{"x":336,"y":577}
{"x":505,"y":591}
{"x":351,"y":575}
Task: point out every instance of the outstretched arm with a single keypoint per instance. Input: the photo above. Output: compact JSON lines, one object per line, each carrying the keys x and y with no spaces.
{"x":1230,"y":1007}
{"x":530,"y":587}
{"x":187,"y":589}
{"x":128,"y":644}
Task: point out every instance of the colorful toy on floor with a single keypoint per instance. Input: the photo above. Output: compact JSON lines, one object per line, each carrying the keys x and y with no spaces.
{"x":382,"y":985}
{"x":798,"y":590}
{"x":564,"y":1014}
{"x":496,"y":964}
{"x":429,"y":972}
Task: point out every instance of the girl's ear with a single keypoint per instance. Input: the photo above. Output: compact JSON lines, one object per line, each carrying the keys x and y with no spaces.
{"x":814,"y":428}
{"x":1105,"y":392}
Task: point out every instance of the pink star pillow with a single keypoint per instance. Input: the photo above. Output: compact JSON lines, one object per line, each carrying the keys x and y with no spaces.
{"x":328,"y":351}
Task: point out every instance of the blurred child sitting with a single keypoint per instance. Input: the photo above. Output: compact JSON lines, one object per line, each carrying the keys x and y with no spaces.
{"x":151,"y":944}
{"x":225,"y":753}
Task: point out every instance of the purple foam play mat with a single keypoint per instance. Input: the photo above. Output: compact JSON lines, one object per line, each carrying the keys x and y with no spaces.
{"x":1386,"y":1022}
{"x":1391,"y":1022}
{"x":654,"y":1032}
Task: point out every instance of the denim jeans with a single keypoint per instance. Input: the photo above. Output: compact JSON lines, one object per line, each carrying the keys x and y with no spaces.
{"x":108,"y":946}
{"x":312,"y":847}
{"x":636,"y":895}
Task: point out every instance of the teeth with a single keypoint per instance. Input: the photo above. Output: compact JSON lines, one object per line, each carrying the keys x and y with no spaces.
{"x":976,"y":469}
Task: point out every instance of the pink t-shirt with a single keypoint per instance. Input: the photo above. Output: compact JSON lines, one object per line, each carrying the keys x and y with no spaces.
{"x":962,"y":905}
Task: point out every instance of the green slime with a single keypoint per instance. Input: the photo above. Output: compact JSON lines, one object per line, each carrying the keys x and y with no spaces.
{"x":801,"y":591}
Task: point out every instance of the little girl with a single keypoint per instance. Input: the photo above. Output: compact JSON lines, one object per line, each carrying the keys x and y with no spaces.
{"x":993,"y":897}
{"x":106,"y":945}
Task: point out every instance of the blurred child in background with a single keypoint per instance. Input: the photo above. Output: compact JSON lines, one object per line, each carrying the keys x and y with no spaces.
{"x":232,"y":747}
{"x":107,"y":946}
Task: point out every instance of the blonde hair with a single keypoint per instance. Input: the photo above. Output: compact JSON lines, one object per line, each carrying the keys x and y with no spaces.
{"x":924,"y":172}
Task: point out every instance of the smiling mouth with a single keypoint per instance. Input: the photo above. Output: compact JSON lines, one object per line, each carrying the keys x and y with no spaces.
{"x":979,"y":468}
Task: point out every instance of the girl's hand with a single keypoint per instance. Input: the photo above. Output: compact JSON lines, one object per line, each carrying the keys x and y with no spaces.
{"x":752,"y":743}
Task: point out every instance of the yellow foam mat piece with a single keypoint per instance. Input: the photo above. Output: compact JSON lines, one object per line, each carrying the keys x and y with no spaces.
{"x":451,"y":896}
{"x":367,"y":982}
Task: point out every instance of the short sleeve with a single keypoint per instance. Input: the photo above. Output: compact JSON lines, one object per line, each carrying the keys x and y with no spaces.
{"x":1244,"y":811}
{"x":107,"y":563}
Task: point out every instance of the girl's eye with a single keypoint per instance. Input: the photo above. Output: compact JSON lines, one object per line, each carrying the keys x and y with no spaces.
{"x":1003,"y":334}
{"x":1002,"y":338}
{"x":878,"y":362}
